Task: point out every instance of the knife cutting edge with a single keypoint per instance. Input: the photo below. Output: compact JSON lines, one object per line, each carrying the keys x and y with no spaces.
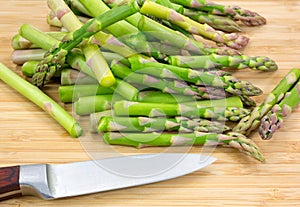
{"x":53,"y":181}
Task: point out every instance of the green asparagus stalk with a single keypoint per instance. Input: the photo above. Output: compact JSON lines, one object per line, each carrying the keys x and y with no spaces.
{"x":71,"y":77}
{"x":146,"y":124}
{"x":56,"y":56}
{"x":251,"y":122}
{"x":222,"y":23}
{"x":40,"y":99}
{"x":190,"y":3}
{"x":126,"y":108}
{"x":71,"y":93}
{"x":92,"y":53}
{"x":91,"y":104}
{"x":139,"y":140}
{"x":221,"y":61}
{"x":19,"y":57}
{"x":246,"y":16}
{"x":229,"y":83}
{"x":19,"y":43}
{"x":232,"y":40}
{"x":151,"y":96}
{"x":274,"y":118}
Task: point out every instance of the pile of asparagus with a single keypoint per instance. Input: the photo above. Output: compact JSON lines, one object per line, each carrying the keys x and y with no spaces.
{"x":151,"y":73}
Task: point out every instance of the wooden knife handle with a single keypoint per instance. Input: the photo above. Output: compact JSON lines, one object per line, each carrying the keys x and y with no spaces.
{"x":9,"y":182}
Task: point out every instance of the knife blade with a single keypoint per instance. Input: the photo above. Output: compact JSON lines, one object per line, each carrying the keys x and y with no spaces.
{"x":53,"y":181}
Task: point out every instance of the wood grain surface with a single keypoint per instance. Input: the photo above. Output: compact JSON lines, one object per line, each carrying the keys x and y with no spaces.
{"x":28,"y":135}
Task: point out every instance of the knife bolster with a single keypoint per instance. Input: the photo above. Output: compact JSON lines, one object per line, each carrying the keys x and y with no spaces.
{"x":9,"y":182}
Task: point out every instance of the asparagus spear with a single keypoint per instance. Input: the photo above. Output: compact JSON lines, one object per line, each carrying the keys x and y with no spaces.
{"x":56,"y":56}
{"x":139,"y":140}
{"x":274,"y":118}
{"x":146,"y":124}
{"x":190,"y":3}
{"x":229,"y":83}
{"x":71,"y":93}
{"x":246,"y":16}
{"x":71,"y":77}
{"x":222,"y":61}
{"x":222,"y":23}
{"x":126,"y":108}
{"x":91,"y":104}
{"x":232,"y":40}
{"x":40,"y":99}
{"x":251,"y":122}
{"x":19,"y":57}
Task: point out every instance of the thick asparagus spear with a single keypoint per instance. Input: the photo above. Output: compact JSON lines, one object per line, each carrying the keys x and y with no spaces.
{"x":229,"y":83}
{"x":146,"y":124}
{"x":232,"y":40}
{"x":139,"y":140}
{"x":126,"y":108}
{"x":223,"y":61}
{"x":56,"y":56}
{"x":19,"y":57}
{"x":251,"y":122}
{"x":274,"y":118}
{"x":41,"y":99}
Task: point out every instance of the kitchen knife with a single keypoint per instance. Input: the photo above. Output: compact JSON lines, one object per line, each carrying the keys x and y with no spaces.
{"x":52,"y":181}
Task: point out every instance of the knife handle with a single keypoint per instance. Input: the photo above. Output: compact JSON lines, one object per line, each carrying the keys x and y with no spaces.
{"x":9,"y":182}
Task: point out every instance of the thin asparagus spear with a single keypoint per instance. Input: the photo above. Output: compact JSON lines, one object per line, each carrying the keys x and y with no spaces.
{"x":246,"y":16}
{"x":71,"y":77}
{"x":92,"y":53}
{"x":222,"y":23}
{"x":145,"y":124}
{"x":274,"y":118}
{"x":251,"y":122}
{"x":229,"y":83}
{"x":126,"y":108}
{"x":232,"y":40}
{"x":190,"y":3}
{"x":139,"y":140}
{"x":19,"y":43}
{"x":71,"y":93}
{"x":56,"y":56}
{"x":40,"y":99}
{"x":91,"y":104}
{"x":151,"y":96}
{"x":223,"y":61}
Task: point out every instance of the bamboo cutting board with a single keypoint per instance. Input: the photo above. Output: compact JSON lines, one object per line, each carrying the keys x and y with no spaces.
{"x":28,"y":135}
